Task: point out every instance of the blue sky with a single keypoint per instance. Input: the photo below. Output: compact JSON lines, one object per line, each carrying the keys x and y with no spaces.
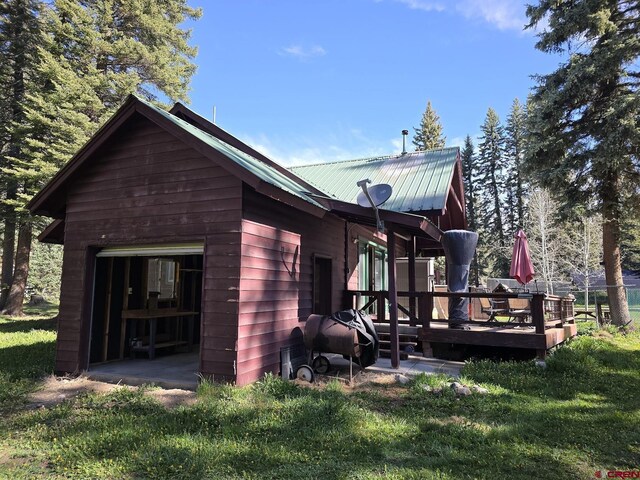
{"x":323,"y":80}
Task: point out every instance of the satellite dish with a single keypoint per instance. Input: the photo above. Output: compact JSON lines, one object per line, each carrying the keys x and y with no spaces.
{"x":379,"y":194}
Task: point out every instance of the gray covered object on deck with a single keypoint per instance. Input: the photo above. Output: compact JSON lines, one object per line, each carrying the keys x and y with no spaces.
{"x":459,"y":247}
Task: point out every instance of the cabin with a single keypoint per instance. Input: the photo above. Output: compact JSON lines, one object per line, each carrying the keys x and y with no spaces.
{"x":178,"y":237}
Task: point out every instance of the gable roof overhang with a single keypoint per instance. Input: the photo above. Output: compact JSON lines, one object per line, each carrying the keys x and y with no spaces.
{"x":240,"y":160}
{"x":403,"y":223}
{"x":51,"y":199}
{"x":53,"y":233}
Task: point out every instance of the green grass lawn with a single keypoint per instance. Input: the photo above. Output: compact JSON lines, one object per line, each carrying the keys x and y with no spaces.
{"x":579,"y":415}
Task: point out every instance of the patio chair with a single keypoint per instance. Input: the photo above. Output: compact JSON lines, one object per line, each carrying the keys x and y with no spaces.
{"x":519,"y":309}
{"x":487,"y":307}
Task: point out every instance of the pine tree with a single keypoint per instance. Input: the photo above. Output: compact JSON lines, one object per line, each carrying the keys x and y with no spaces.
{"x":468,"y":173}
{"x":95,"y":53}
{"x":584,"y":133}
{"x":429,"y":134}
{"x":517,"y":189}
{"x":19,"y":38}
{"x":490,"y":164}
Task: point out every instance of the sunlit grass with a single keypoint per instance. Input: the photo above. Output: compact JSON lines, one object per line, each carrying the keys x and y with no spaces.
{"x":578,"y":415}
{"x":26,"y":353}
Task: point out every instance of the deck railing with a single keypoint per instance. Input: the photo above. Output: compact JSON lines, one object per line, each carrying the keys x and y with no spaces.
{"x":545,"y":311}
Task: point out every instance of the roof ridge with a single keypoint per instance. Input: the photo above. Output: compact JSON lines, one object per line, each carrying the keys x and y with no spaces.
{"x":380,"y":157}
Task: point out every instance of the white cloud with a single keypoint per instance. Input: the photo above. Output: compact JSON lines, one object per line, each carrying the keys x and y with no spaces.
{"x":303,"y":53}
{"x":306,"y":151}
{"x":459,"y":141}
{"x":503,"y":14}
{"x":425,"y":5}
{"x":456,"y":142}
{"x":396,"y":144}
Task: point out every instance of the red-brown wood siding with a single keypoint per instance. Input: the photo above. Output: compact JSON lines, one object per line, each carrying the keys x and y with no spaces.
{"x":277,"y":239}
{"x":148,"y":188}
{"x":270,"y":298}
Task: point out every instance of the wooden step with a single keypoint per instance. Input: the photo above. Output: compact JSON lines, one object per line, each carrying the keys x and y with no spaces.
{"x":415,"y":344}
{"x":402,"y":329}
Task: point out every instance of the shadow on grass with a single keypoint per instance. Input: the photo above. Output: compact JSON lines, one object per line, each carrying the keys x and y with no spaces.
{"x":26,"y":325}
{"x":307,"y":434}
{"x":27,"y":361}
{"x":566,"y":421}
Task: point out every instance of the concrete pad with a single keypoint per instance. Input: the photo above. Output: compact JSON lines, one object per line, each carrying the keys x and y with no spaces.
{"x":415,"y":365}
{"x":411,"y":367}
{"x":171,"y":371}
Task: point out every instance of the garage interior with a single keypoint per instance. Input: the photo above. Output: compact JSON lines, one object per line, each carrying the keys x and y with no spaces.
{"x":146,"y":314}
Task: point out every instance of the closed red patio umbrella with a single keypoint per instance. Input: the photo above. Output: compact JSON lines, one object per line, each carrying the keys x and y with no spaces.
{"x":521,"y":266}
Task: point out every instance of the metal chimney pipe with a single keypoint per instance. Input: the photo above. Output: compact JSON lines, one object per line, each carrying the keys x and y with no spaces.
{"x":404,"y":141}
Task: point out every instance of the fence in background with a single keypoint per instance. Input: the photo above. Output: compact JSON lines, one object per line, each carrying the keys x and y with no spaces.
{"x":596,"y":294}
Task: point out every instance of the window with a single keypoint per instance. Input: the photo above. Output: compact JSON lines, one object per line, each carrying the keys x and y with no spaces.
{"x":372,"y":266}
{"x":161,"y":274}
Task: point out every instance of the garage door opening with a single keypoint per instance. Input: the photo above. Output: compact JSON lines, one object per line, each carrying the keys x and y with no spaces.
{"x":146,"y":315}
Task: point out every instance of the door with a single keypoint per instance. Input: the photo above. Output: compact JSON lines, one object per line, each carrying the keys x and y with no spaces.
{"x":372,"y":271}
{"x":372,"y":267}
{"x":322,"y":285}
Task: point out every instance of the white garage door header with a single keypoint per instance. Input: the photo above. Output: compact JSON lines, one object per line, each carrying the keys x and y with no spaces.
{"x":152,"y":250}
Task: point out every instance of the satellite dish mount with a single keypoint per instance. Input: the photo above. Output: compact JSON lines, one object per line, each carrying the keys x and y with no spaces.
{"x":374,"y":197}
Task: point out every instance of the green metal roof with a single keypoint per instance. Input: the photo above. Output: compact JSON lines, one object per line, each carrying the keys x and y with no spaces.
{"x":259,"y":168}
{"x":420,"y":180}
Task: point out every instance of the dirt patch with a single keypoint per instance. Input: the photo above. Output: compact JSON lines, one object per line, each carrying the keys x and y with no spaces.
{"x":8,"y":459}
{"x":173,"y":397}
{"x":55,"y":390}
{"x":362,"y":381}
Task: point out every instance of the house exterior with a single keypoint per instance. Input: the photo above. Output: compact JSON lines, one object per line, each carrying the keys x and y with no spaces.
{"x":248,"y":248}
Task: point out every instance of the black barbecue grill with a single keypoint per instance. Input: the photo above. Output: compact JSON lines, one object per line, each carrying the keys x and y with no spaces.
{"x":349,"y":333}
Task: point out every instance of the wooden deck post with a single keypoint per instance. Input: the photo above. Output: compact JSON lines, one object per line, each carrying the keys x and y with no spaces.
{"x":537,"y":312}
{"x":380,"y":310}
{"x":393,"y":300}
{"x":412,"y":279}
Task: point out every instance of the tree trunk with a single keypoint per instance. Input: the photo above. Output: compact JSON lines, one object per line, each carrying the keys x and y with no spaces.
{"x":8,"y":250}
{"x":17,"y":46}
{"x":612,"y":264}
{"x":21,"y":272}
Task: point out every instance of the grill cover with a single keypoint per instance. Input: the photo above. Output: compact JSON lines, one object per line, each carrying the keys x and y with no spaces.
{"x":350,"y":333}
{"x":459,"y":248}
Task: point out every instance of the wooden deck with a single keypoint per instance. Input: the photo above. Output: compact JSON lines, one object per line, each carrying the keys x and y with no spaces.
{"x":549,"y":322}
{"x":496,"y":336}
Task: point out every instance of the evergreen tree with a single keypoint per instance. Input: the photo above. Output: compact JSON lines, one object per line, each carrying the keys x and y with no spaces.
{"x":517,"y":190}
{"x":584,"y":129}
{"x":468,"y":173}
{"x":19,"y":38}
{"x":429,"y":134}
{"x":490,"y":164}
{"x":630,"y":244}
{"x":95,"y":53}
